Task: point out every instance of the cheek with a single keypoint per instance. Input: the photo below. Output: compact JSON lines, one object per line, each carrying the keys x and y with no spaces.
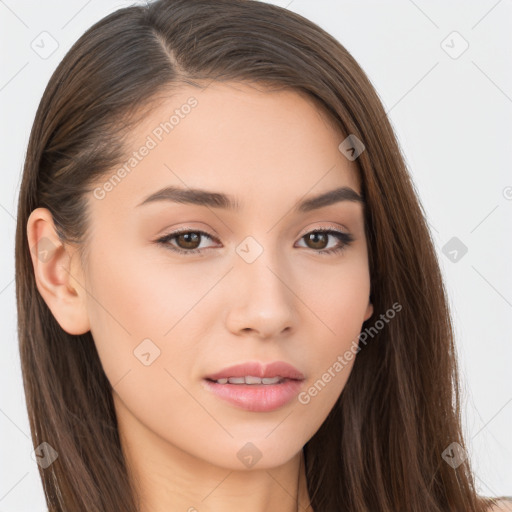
{"x":137,"y":296}
{"x":134,"y":306}
{"x":337,"y":305}
{"x":338,"y":295}
{"x":138,"y":307}
{"x":123,"y":307}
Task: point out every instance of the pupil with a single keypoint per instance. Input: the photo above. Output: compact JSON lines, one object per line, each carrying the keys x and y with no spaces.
{"x":313,"y":237}
{"x":190,"y":238}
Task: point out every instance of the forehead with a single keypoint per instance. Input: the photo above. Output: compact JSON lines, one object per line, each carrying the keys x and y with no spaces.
{"x":242,"y":139}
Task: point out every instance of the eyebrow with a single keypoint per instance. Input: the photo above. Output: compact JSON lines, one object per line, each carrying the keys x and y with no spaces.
{"x":220,"y":200}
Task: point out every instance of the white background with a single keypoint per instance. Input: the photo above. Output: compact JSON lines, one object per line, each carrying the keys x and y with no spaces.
{"x":453,"y":118}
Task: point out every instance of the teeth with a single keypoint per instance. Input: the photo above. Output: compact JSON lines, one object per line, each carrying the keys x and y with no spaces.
{"x":273,"y":380}
{"x":250,"y":380}
{"x":236,"y":380}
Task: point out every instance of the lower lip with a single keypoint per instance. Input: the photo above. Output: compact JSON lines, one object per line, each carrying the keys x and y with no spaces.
{"x":256,"y":397}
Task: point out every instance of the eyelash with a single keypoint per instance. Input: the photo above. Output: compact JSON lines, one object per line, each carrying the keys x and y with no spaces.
{"x":345,"y":238}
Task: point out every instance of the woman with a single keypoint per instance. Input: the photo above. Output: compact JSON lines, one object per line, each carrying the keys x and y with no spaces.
{"x":228,"y":297}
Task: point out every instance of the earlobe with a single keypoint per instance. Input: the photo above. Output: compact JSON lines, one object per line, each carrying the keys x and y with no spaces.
{"x":369,"y":311}
{"x":54,"y":274}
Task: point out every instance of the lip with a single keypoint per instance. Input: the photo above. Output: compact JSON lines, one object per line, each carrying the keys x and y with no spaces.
{"x":257,"y":397}
{"x":257,"y":369}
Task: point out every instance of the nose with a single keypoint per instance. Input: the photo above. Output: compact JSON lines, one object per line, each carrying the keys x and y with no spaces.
{"x":262,"y":302}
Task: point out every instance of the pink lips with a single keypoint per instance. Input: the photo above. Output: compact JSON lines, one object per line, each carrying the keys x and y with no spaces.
{"x":257,"y":397}
{"x":256,"y":369}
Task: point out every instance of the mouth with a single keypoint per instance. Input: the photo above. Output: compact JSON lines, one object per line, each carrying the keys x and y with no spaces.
{"x":251,"y":380}
{"x":255,"y":394}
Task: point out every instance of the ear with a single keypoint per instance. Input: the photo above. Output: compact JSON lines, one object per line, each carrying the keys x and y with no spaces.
{"x":58,"y":278}
{"x":369,"y":311}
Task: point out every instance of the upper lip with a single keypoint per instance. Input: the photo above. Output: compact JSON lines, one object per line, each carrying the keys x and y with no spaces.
{"x":257,"y":369}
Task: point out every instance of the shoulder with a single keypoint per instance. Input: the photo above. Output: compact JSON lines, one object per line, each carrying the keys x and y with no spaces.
{"x":502,"y":505}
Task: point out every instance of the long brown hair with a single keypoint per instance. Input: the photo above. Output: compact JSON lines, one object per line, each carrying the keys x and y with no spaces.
{"x":381,"y":446}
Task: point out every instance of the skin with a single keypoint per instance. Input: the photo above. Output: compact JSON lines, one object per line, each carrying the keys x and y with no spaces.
{"x":205,"y":312}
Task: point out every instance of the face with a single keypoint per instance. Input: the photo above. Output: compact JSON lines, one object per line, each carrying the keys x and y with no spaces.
{"x":255,"y":283}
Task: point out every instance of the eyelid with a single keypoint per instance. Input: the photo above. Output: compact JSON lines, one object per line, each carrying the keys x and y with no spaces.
{"x":184,"y":229}
{"x":328,"y":225}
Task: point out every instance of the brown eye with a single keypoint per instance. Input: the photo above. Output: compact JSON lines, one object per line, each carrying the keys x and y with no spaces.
{"x":319,"y":238}
{"x":186,"y":241}
{"x":189,"y":240}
